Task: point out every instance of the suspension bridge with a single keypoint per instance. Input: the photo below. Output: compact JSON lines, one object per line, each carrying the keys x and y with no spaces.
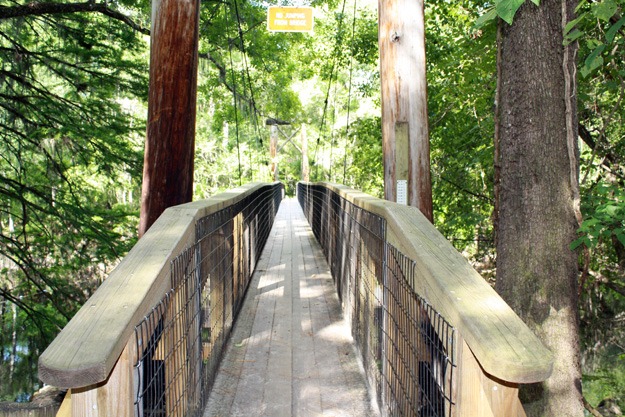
{"x":337,"y":304}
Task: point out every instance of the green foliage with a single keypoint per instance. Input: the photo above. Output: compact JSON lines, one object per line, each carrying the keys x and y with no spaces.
{"x":607,"y":382}
{"x":244,"y":78}
{"x":598,"y":31}
{"x":363,"y":48}
{"x":461,"y":91}
{"x":597,"y":28}
{"x":300,"y":78}
{"x":606,"y":216}
{"x":505,"y":9}
{"x":364,"y":170}
{"x":602,"y":332}
{"x":71,"y":86}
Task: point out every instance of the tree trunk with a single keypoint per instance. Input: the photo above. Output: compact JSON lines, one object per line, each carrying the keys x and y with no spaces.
{"x":170,"y":142}
{"x":405,"y":133}
{"x":538,"y":194}
{"x":3,"y":327}
{"x":13,"y":355}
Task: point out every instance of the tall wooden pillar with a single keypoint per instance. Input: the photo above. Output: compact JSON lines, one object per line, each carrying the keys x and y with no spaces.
{"x":305,"y":167}
{"x":404,"y":103}
{"x":170,"y":141}
{"x":273,"y":151}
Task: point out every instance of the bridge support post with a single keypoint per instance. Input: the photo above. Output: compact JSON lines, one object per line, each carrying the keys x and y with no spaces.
{"x":273,"y":154}
{"x":305,"y":167}
{"x":478,"y":394}
{"x":404,"y":100}
{"x":113,"y":397}
{"x":170,"y":141}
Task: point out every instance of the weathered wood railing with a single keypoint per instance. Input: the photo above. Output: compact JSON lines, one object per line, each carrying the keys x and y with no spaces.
{"x":149,"y":340}
{"x":435,"y":338}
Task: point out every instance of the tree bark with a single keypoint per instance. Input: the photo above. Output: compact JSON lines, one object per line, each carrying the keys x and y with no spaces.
{"x":170,"y":142}
{"x":404,"y":101}
{"x":3,"y":328}
{"x":13,"y":355}
{"x":538,"y":195}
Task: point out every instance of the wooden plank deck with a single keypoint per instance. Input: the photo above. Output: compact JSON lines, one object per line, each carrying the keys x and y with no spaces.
{"x":291,"y":353}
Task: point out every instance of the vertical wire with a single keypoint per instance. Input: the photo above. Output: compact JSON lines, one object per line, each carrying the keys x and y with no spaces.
{"x":325,"y":106}
{"x":334,"y":107}
{"x":249,"y":81}
{"x":236,"y":114}
{"x":349,"y":93}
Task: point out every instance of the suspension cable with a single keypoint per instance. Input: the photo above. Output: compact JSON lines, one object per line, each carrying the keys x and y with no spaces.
{"x":250,"y":85}
{"x":332,"y":138}
{"x":349,"y":92}
{"x":339,"y":40}
{"x":236,"y":113}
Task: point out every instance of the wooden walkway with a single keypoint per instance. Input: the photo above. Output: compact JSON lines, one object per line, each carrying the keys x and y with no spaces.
{"x":291,"y":353}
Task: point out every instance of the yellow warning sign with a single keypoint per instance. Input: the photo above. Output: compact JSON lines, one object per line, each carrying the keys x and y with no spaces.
{"x":290,"y":19}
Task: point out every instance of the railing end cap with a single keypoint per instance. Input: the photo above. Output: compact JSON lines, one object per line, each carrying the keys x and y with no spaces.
{"x":66,"y":378}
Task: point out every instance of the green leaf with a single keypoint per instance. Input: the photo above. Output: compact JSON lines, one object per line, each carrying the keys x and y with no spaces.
{"x":593,"y":61}
{"x":485,"y":18}
{"x":584,"y":240}
{"x":596,"y":232}
{"x":620,"y":235}
{"x":611,"y":33}
{"x":572,"y":37}
{"x":506,"y":9}
{"x":610,"y":210}
{"x":536,"y":2}
{"x":604,"y":10}
{"x":569,"y":26}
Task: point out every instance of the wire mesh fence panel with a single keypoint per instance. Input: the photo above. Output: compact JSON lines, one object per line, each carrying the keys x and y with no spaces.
{"x":181,"y":342}
{"x":405,"y":346}
{"x":419,"y":346}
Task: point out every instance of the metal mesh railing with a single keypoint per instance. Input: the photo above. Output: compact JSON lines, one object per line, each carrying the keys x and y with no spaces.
{"x":181,"y":342}
{"x":405,"y":346}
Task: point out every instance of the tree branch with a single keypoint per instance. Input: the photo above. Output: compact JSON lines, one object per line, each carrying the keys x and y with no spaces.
{"x":466,"y":190}
{"x":592,"y":410}
{"x":609,"y":159}
{"x":223,"y":78}
{"x":36,"y":8}
{"x":614,"y":286}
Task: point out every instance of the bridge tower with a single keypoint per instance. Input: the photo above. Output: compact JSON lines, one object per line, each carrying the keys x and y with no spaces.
{"x":170,"y":141}
{"x":405,"y":134}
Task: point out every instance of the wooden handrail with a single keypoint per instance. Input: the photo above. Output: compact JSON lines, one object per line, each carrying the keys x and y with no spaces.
{"x":87,"y":349}
{"x":503,"y":345}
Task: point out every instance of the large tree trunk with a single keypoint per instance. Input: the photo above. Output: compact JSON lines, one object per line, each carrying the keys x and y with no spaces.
{"x":538,"y":194}
{"x":170,"y":142}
